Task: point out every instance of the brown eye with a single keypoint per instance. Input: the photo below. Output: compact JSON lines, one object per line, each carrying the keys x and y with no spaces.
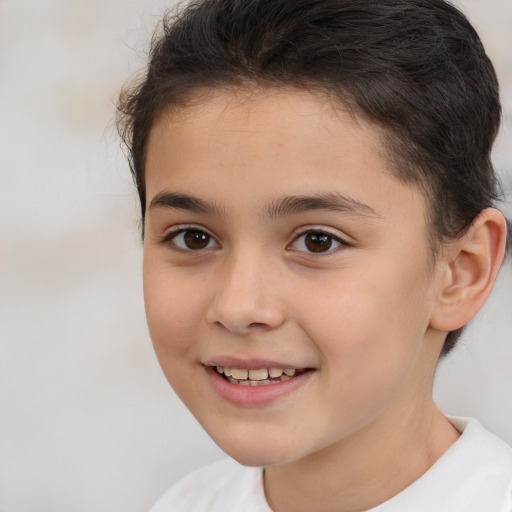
{"x":196,"y":239}
{"x":317,"y":242}
{"x":192,"y":240}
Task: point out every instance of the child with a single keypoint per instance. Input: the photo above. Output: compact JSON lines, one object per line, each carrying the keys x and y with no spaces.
{"x":317,"y":201}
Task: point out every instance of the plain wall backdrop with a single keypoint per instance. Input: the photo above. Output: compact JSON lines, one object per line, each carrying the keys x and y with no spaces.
{"x":87,"y":421}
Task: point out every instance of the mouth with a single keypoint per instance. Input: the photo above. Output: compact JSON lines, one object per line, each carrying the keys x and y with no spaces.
{"x":259,"y":385}
{"x":258,"y":376}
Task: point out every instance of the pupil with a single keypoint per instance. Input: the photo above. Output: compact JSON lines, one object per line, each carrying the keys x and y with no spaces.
{"x":318,"y":242}
{"x":196,"y":240}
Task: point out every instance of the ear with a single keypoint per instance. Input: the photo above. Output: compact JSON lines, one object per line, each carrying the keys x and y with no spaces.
{"x":468,"y":270}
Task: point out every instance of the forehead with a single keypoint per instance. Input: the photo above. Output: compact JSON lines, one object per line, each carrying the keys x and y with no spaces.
{"x":243,"y":149}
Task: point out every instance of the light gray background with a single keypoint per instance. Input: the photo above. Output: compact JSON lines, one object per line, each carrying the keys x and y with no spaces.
{"x":87,"y":421}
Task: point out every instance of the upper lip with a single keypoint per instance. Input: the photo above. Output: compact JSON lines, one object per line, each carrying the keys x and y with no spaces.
{"x":249,"y":364}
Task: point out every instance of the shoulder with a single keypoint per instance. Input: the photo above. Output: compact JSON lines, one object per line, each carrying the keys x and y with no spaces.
{"x":223,"y":486}
{"x":481,"y":447}
{"x":481,"y":465}
{"x":474,"y":475}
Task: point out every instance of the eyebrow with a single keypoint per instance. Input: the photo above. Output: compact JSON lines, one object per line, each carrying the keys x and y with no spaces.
{"x":184,"y":202}
{"x":280,"y":207}
{"x":290,"y":205}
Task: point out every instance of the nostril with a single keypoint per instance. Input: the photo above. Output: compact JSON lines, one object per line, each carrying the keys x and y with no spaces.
{"x":257,"y":325}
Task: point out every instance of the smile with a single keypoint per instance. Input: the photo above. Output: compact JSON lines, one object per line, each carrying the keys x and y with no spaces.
{"x":258,"y":376}
{"x":258,"y":386}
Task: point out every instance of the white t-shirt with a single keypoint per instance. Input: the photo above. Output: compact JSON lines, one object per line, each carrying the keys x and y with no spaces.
{"x":474,"y":475}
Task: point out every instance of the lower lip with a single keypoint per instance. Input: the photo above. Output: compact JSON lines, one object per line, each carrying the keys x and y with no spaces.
{"x":253,"y":396}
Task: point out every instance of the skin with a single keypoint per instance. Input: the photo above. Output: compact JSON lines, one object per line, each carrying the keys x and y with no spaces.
{"x":363,"y":426}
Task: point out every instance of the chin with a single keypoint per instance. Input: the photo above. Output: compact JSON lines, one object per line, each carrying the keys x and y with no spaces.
{"x":258,"y":459}
{"x":261,"y":453}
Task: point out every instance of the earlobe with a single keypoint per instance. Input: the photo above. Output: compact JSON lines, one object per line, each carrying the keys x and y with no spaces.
{"x":469,"y":271}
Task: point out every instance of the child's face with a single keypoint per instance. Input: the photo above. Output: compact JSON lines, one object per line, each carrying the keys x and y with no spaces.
{"x":293,"y":248}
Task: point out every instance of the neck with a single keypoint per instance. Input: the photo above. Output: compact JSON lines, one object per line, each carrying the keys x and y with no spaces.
{"x":366,"y":469}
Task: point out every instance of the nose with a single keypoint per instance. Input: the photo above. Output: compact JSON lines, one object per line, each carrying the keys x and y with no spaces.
{"x":247,"y":296}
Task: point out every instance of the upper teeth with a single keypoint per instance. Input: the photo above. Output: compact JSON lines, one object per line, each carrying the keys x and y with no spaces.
{"x":256,"y":374}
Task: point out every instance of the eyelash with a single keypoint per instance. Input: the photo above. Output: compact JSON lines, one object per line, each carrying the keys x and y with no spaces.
{"x":169,"y":240}
{"x":323,"y":233}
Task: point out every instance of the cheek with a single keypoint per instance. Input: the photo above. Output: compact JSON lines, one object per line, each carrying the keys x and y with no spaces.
{"x":368,"y":350}
{"x":173,"y":310}
{"x":369,"y":326}
{"x":174,"y":317}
